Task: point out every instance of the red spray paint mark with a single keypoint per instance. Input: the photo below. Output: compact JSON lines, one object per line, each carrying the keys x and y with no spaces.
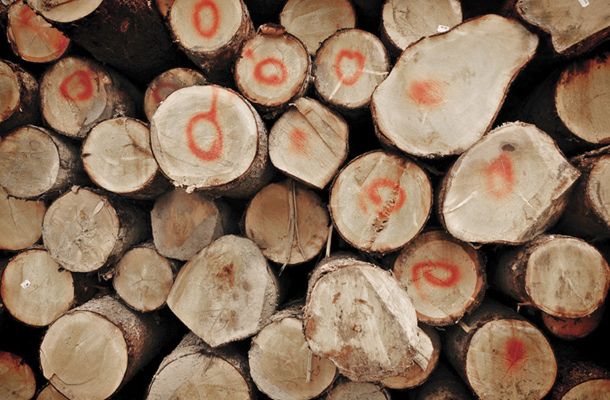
{"x":298,"y":140}
{"x":163,"y":90}
{"x":28,"y":19}
{"x":249,"y":54}
{"x":440,"y":274}
{"x":500,"y":177}
{"x":78,"y":86}
{"x":215,"y":150}
{"x":392,"y":202}
{"x":210,"y":31}
{"x":275,"y":78}
{"x":514,"y":353}
{"x":427,"y":92}
{"x":349,"y":55}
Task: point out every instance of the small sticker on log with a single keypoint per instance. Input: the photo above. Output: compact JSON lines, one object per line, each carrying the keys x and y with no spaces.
{"x":584,"y":3}
{"x":444,"y":28}
{"x":25,"y":284}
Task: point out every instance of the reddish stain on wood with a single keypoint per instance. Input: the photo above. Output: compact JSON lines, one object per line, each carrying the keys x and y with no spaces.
{"x":78,"y":86}
{"x":276,"y":77}
{"x":249,"y":54}
{"x":500,"y":178}
{"x":28,"y":19}
{"x":440,"y":274}
{"x":427,"y":92}
{"x":211,"y":116}
{"x":162,"y":90}
{"x":211,"y":30}
{"x":298,"y":140}
{"x":356,"y":56}
{"x":514,"y":352}
{"x":388,"y":204}
{"x":227,"y":275}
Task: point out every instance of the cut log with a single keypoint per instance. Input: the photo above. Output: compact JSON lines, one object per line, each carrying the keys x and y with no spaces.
{"x":196,"y":371}
{"x":578,"y":379}
{"x":85,"y":231}
{"x":416,"y":375}
{"x":288,"y":222}
{"x":208,"y":137}
{"x":17,"y":381}
{"x":143,"y":278}
{"x":404,"y":22}
{"x":299,"y":16}
{"x":272,"y":70}
{"x":211,"y":33}
{"x":35,"y":162}
{"x":126,"y":35}
{"x":20,"y":221}
{"x":226,"y":292}
{"x":444,"y":277}
{"x":358,"y":316}
{"x":76,"y":94}
{"x":183,"y":224}
{"x":380,"y":201}
{"x":19,"y":97}
{"x":117,"y":156}
{"x":573,"y":328}
{"x":50,"y":393}
{"x":37,"y":291}
{"x":440,"y":98}
{"x":309,"y":142}
{"x":500,"y":355}
{"x":32,"y":38}
{"x":357,"y":390}
{"x":281,"y":363}
{"x":508,"y":188}
{"x":348,"y":67}
{"x":88,"y":353}
{"x":542,"y":274}
{"x":443,"y":384}
{"x":166,"y":84}
{"x":575,"y":26}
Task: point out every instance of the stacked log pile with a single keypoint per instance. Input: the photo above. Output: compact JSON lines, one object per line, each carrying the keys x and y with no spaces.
{"x":304,"y":199}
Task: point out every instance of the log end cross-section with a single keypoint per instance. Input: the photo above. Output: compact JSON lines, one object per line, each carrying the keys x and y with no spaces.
{"x":20,"y":221}
{"x":17,"y":381}
{"x":19,"y":97}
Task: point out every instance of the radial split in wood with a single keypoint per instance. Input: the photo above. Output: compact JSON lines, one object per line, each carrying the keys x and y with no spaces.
{"x":17,"y":381}
{"x":20,"y":221}
{"x":50,"y":393}
{"x":19,"y":97}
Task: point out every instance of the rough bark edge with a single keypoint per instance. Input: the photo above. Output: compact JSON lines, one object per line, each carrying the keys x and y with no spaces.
{"x":27,"y":110}
{"x":572,"y":370}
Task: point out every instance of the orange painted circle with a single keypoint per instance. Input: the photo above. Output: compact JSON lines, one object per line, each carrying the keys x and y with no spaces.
{"x":209,"y":31}
{"x":426,"y":270}
{"x":500,"y":178}
{"x":215,"y":150}
{"x":81,"y":80}
{"x":350,"y":55}
{"x":271,"y":79}
{"x":373,"y":196}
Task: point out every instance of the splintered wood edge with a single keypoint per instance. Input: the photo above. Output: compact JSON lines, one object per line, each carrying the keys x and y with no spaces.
{"x":288,"y":222}
{"x":20,"y":221}
{"x":298,"y":16}
{"x":357,"y":390}
{"x":573,"y":328}
{"x":10,"y":94}
{"x":35,"y":290}
{"x":17,"y":381}
{"x":167,"y":83}
{"x":32,"y":37}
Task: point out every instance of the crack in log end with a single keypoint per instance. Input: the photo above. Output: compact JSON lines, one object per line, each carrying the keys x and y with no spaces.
{"x":395,"y":198}
{"x":427,"y":92}
{"x":514,"y":353}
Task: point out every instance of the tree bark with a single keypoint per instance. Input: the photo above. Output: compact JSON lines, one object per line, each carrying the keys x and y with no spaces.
{"x":20,"y":222}
{"x":17,"y":381}
{"x":578,"y":378}
{"x":443,"y":384}
{"x":573,"y":328}
{"x":19,"y":99}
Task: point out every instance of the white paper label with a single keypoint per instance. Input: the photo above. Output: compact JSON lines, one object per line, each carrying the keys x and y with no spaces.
{"x":584,"y":3}
{"x":25,"y":283}
{"x":443,"y":28}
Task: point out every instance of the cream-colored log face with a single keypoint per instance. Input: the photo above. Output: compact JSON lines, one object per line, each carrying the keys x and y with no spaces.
{"x":167,"y":83}
{"x":204,"y":136}
{"x":225,"y":292}
{"x":50,"y":393}
{"x":20,"y":221}
{"x":510,"y":359}
{"x":407,"y":21}
{"x":199,"y":376}
{"x":33,"y":38}
{"x":35,"y":289}
{"x":598,"y":189}
{"x":29,"y":162}
{"x":299,"y":16}
{"x":17,"y":381}
{"x":596,"y":389}
{"x":369,"y":330}
{"x":205,"y":25}
{"x":504,"y":188}
{"x":443,"y":277}
{"x":437,"y":101}
{"x":569,"y":22}
{"x":357,"y":391}
{"x":380,"y":201}
{"x":84,"y":356}
{"x":80,"y":230}
{"x":272,"y":69}
{"x":582,"y":99}
{"x":117,"y":155}
{"x":567,"y":277}
{"x":283,"y":366}
{"x":64,"y":10}
{"x":288,"y":222}
{"x":10,"y":93}
{"x":309,"y":142}
{"x":348,"y":67}
{"x":143,"y":279}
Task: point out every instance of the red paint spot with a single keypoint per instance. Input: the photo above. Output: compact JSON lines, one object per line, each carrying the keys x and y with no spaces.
{"x":298,"y":140}
{"x":163,"y":90}
{"x":392,"y":202}
{"x":515,"y":352}
{"x":78,"y":86}
{"x":277,"y":77}
{"x":440,"y":274}
{"x":215,"y":150}
{"x":349,"y":55}
{"x":427,"y":92}
{"x":249,"y":54}
{"x":210,"y":31}
{"x":29,"y":20}
{"x":500,"y":177}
